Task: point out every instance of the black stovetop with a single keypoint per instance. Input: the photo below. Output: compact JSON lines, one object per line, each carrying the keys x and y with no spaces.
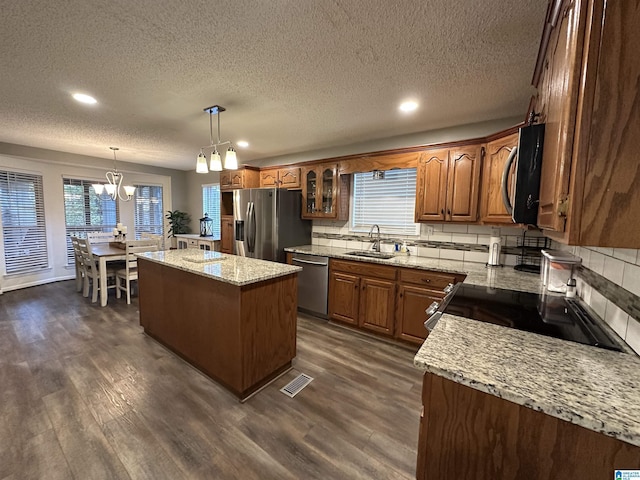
{"x":551,"y":315}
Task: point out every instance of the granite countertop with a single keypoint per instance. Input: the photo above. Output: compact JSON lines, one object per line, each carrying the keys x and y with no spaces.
{"x":588,"y":386}
{"x":231,"y":269}
{"x":595,"y":388}
{"x":195,"y":236}
{"x":477,"y":273}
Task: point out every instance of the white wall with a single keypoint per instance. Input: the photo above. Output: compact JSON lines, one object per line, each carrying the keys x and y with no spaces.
{"x":52,"y":174}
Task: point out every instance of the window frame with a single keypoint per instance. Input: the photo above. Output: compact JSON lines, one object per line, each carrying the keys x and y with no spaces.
{"x":148,"y":228}
{"x":408,"y":229}
{"x":217,"y":212}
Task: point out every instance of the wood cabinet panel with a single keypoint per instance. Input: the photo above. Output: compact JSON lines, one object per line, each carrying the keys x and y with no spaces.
{"x":412,"y":303}
{"x":226,"y":234}
{"x":432,"y":185}
{"x":365,"y":269}
{"x":321,"y":192}
{"x":463,"y":184}
{"x":269,"y":178}
{"x":466,"y":433}
{"x":424,"y":278}
{"x":492,"y":209}
{"x":344,"y":297}
{"x":244,"y":177}
{"x":377,"y":300}
{"x":289,"y":177}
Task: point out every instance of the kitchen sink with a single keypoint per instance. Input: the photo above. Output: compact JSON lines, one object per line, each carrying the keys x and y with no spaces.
{"x":370,"y":254}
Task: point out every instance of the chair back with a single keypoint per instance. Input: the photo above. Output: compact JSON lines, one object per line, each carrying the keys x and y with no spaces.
{"x":76,"y":249}
{"x":88,"y":262}
{"x":138,"y":246}
{"x":100,"y":237}
{"x":153,"y":236}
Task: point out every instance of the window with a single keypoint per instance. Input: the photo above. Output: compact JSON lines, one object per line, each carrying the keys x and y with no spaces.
{"x":84,"y":211}
{"x":211,"y":206}
{"x":148,"y":215}
{"x":23,"y":224}
{"x":388,"y":202}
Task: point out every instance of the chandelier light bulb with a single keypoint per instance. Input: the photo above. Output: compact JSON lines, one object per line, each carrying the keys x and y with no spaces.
{"x":216,"y":162}
{"x":201,"y":163}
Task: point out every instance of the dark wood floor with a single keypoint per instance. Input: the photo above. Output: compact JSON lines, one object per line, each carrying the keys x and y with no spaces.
{"x":85,"y":394}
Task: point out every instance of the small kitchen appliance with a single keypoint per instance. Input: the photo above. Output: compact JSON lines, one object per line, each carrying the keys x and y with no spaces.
{"x":557,"y":269}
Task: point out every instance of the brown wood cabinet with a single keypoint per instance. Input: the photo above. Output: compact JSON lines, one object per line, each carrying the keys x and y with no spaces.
{"x":492,"y":209}
{"x":417,"y":290}
{"x":363,"y":295}
{"x":447,"y":184}
{"x":466,"y":433}
{"x":587,"y":76}
{"x":226,"y":234}
{"x":384,"y":299}
{"x":322,"y":188}
{"x":288,"y":177}
{"x":244,"y":177}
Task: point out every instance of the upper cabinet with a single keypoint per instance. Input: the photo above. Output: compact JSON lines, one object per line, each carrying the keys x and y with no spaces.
{"x":447,"y":184}
{"x":492,"y":209}
{"x":587,"y":76}
{"x":286,"y":177}
{"x":244,"y":177}
{"x":321,"y":191}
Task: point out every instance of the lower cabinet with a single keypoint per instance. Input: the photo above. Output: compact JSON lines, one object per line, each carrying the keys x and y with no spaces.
{"x":384,"y":299}
{"x":226,"y":234}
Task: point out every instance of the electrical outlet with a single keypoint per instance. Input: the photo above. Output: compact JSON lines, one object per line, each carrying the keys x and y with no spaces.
{"x":428,"y":229}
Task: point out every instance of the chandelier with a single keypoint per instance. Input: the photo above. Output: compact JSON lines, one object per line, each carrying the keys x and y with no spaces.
{"x":230,"y":159}
{"x":114,"y":185}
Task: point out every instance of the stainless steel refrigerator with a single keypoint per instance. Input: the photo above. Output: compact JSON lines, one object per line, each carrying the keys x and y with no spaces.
{"x":266,"y":220}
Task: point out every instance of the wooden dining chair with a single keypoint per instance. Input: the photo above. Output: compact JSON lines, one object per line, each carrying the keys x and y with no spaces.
{"x":126,"y":275}
{"x":153,"y":236}
{"x":78,"y":264}
{"x":92,"y":272}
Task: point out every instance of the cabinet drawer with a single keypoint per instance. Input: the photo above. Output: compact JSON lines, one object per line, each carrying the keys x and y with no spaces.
{"x":192,"y":243}
{"x":364,"y":269}
{"x":432,"y":280}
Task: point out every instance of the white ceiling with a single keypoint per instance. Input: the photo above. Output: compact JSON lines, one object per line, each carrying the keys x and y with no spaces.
{"x":294,"y":75}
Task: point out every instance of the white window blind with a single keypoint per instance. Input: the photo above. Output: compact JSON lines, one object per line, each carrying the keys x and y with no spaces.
{"x":23,"y":222}
{"x":388,"y":202}
{"x":211,"y":206}
{"x":84,"y":211}
{"x":148,"y":215}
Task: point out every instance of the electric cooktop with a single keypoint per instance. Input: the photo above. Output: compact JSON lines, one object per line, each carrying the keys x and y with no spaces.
{"x":551,"y":315}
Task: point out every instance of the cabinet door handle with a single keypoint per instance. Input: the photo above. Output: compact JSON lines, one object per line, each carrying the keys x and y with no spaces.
{"x":363,"y":287}
{"x":442,"y":212}
{"x":448,"y":212}
{"x":426,"y":280}
{"x":400,"y":295}
{"x":355,"y":286}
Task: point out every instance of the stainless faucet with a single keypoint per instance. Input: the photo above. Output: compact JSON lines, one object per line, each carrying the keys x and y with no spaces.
{"x":376,"y":242}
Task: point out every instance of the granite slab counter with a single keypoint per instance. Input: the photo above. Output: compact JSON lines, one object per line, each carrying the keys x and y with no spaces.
{"x":231,"y":269}
{"x":587,"y":386}
{"x":477,"y":273}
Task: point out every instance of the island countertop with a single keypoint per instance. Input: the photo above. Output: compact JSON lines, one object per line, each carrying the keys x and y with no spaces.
{"x":231,"y":269}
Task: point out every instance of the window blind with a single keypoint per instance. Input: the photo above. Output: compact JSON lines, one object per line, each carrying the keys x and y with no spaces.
{"x":85,"y":211}
{"x":388,"y":202}
{"x":23,"y":222}
{"x":148,"y":215}
{"x":211,"y":206}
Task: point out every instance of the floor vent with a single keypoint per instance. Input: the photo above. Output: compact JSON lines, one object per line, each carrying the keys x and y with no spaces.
{"x":294,"y":387}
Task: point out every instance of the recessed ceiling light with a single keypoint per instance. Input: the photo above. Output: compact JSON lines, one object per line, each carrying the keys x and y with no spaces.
{"x":242,"y":144}
{"x":408,"y":106}
{"x":82,"y":98}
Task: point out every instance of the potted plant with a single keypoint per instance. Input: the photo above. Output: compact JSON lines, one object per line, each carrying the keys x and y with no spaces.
{"x":178,"y":223}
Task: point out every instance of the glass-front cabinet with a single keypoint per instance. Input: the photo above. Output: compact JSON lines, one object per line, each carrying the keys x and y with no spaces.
{"x":319,"y":191}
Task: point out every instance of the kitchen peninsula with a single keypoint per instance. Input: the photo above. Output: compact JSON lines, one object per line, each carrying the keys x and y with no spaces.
{"x":233,"y":318}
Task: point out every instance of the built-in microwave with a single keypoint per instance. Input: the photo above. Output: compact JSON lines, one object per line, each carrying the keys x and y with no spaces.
{"x":526,"y":158}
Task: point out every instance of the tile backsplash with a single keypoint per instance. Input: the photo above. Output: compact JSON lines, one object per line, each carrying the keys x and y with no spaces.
{"x":609,"y":282}
{"x":448,"y":241}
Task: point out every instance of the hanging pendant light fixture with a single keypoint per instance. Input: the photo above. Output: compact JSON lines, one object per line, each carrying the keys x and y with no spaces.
{"x":114,"y":185}
{"x":215,"y":164}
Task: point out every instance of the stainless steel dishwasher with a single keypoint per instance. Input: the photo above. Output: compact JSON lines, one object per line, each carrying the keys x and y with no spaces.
{"x":313,"y":283}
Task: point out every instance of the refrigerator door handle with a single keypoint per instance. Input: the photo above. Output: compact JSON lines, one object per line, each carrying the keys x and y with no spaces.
{"x":251,"y":217}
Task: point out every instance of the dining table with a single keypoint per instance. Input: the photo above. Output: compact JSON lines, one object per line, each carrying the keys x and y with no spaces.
{"x":106,"y":252}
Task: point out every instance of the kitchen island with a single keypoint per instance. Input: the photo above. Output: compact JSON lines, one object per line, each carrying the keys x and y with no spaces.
{"x":234,"y":318}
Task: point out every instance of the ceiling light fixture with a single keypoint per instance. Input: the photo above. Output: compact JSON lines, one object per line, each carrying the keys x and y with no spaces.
{"x":82,"y":98}
{"x":242,"y":144}
{"x":230,"y":159}
{"x":408,"y":106}
{"x":114,"y":179}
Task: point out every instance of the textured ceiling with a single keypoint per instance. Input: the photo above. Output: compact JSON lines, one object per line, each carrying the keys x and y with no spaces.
{"x":294,"y":75}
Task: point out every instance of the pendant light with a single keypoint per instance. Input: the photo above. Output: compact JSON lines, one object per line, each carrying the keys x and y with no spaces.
{"x":215,"y":164}
{"x":114,"y":186}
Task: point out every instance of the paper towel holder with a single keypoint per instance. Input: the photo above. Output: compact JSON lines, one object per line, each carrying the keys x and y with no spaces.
{"x":494,"y":252}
